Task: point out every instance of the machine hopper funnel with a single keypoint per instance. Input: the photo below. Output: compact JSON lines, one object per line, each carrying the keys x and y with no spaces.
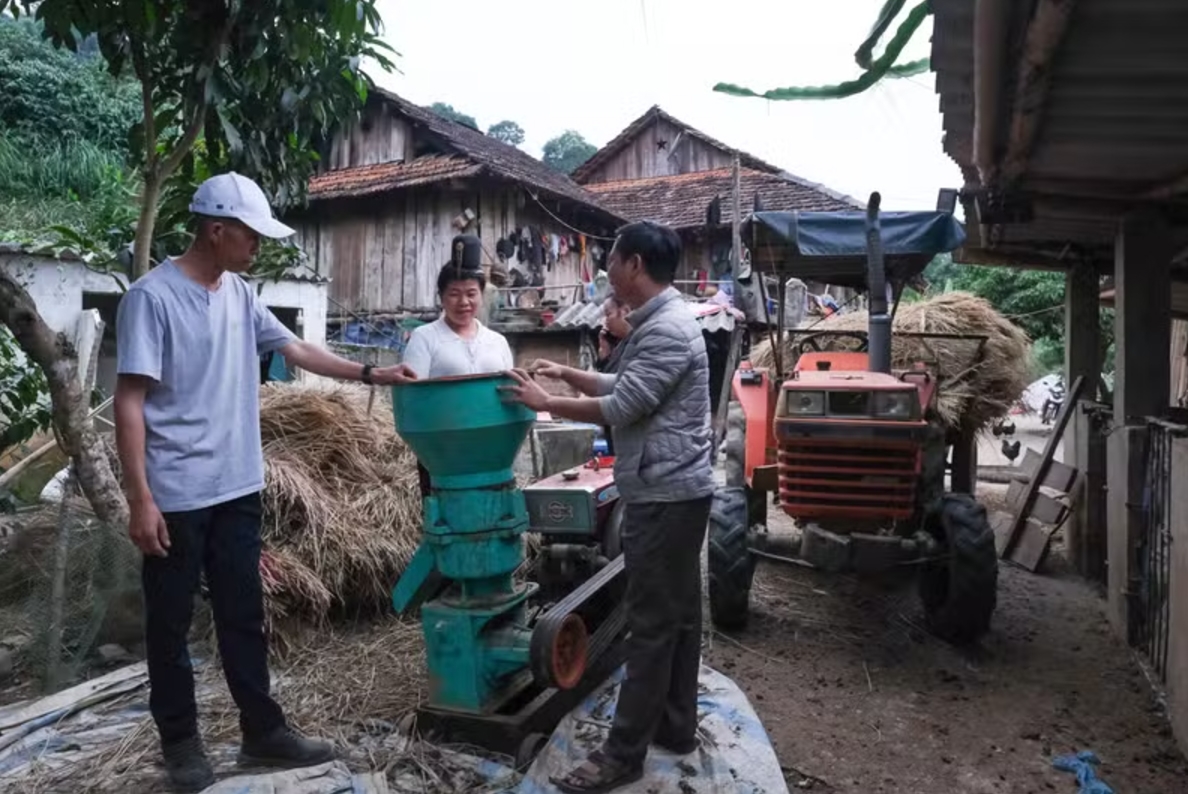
{"x":460,"y":428}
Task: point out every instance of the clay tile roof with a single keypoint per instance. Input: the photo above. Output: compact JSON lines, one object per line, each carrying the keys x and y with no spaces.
{"x":682,"y":201}
{"x":366,"y":179}
{"x":495,"y":157}
{"x":654,"y":113}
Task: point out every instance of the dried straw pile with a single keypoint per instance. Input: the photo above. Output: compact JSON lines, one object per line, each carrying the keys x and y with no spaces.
{"x":342,"y":508}
{"x":972,"y":394}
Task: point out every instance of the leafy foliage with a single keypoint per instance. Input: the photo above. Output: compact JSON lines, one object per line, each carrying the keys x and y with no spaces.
{"x":457,"y":116}
{"x":567,"y":151}
{"x":262,"y":84}
{"x":24,"y":395}
{"x":64,"y":121}
{"x":33,"y":168}
{"x":507,"y":131}
{"x":873,"y":70}
{"x":54,"y":96}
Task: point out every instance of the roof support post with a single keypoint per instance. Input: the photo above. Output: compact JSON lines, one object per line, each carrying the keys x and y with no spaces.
{"x":1142,"y":374}
{"x":1082,"y":326}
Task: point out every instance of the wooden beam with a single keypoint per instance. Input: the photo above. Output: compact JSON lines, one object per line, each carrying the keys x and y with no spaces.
{"x":1044,"y":35}
{"x":991,"y":22}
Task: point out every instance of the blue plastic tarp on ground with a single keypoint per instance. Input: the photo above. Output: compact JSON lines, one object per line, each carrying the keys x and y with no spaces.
{"x":735,"y":756}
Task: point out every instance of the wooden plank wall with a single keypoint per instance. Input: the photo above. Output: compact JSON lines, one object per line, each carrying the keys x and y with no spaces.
{"x":381,"y":136}
{"x":642,"y":158}
{"x":384,"y":254}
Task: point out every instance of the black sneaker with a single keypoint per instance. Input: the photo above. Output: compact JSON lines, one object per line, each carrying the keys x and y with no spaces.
{"x":187,"y":765}
{"x":284,"y":748}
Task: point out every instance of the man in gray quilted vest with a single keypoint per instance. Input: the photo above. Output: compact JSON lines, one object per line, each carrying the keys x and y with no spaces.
{"x":658,"y":406}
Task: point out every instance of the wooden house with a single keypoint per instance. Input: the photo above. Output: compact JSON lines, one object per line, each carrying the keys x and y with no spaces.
{"x":399,"y":184}
{"x":660,"y":168}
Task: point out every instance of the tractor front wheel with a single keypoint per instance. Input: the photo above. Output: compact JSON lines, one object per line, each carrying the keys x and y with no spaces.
{"x":731,"y":564}
{"x":960,"y":590}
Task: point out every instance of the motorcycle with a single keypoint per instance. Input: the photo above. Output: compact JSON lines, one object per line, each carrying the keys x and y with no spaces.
{"x":1053,"y":403}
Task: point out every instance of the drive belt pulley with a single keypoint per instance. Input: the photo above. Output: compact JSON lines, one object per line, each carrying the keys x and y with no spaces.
{"x":578,"y":630}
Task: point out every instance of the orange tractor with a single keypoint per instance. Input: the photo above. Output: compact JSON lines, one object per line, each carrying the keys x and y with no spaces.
{"x":852,"y":450}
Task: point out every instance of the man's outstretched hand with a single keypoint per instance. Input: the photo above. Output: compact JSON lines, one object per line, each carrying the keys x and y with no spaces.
{"x":547,"y":369}
{"x":526,"y":391}
{"x":386,"y":376}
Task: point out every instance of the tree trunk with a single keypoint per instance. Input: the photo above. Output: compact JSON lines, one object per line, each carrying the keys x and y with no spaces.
{"x":56,"y":356}
{"x":142,"y":248}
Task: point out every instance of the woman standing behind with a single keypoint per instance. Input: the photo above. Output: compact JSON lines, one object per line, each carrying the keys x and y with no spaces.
{"x":457,"y":343}
{"x":615,"y":329}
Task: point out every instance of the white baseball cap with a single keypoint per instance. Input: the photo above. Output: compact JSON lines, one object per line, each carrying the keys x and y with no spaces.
{"x":235,"y":196}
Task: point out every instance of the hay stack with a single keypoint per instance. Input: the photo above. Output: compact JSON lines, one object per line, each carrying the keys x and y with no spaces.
{"x":342,"y":508}
{"x":972,"y":394}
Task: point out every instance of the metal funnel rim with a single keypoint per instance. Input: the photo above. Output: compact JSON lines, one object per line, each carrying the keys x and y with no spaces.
{"x":451,"y":378}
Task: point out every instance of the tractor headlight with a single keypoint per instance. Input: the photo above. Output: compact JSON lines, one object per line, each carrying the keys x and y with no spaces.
{"x":804,"y":403}
{"x":895,"y":404}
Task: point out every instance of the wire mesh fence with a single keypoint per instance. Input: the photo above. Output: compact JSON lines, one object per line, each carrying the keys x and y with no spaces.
{"x":69,"y":584}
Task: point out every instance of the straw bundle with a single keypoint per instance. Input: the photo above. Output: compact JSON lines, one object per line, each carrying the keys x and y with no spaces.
{"x":342,"y":508}
{"x":973,"y":393}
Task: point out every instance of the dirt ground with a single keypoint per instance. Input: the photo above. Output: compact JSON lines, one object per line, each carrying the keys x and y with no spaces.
{"x":858,"y":698}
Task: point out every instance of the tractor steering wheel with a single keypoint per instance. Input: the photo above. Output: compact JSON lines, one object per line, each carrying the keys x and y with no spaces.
{"x":812,"y":342}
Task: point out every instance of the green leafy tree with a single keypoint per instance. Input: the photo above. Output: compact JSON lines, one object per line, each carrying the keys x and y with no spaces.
{"x":64,"y":125}
{"x":259,"y":85}
{"x":51,"y":95}
{"x":507,"y":131}
{"x":457,"y":116}
{"x":24,"y":397}
{"x":567,"y":151}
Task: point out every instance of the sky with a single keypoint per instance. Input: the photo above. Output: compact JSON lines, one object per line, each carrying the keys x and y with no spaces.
{"x":595,"y":66}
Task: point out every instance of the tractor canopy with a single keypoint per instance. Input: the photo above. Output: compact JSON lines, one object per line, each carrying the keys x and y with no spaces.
{"x":830,"y":247}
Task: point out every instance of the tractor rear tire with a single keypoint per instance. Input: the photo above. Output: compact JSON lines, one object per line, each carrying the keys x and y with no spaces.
{"x":731,"y":564}
{"x":960,"y":592}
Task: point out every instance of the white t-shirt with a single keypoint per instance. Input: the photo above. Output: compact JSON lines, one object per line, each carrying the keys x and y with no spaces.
{"x":436,"y":351}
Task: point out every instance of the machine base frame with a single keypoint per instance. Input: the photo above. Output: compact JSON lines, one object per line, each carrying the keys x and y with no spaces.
{"x":534,"y":712}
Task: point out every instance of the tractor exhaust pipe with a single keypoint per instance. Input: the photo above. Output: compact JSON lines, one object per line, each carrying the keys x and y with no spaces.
{"x":879,"y":335}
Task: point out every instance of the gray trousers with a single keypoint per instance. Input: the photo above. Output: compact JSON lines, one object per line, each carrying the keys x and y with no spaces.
{"x":658,"y":699}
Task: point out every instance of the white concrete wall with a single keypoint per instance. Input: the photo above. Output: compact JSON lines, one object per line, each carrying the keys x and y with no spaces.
{"x":58,"y":286}
{"x":308,"y":297}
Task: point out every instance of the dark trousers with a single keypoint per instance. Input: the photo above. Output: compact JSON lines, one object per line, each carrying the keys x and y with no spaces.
{"x":223,"y":541}
{"x":658,"y":698}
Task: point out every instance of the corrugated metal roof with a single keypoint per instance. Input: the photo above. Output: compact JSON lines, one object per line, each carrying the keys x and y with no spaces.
{"x":579,"y":315}
{"x":712,"y":317}
{"x":1112,"y":130}
{"x":681,"y":201}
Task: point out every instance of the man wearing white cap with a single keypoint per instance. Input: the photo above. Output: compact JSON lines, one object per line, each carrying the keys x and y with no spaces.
{"x":189,"y":337}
